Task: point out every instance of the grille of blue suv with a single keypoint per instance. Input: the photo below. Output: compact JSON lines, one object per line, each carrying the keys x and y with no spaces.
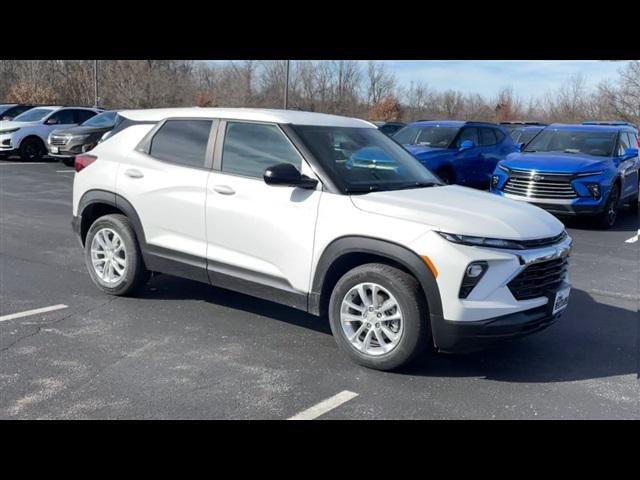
{"x":538,"y":279}
{"x":543,"y":188}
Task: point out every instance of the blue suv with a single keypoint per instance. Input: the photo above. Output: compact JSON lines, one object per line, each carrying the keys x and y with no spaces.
{"x":569,"y":170}
{"x":459,"y":152}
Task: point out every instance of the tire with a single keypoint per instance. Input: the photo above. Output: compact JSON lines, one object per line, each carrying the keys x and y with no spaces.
{"x":32,"y":149}
{"x":412,"y":330}
{"x":69,"y":162}
{"x":607,"y":218}
{"x":133,"y":275}
{"x":446,"y":176}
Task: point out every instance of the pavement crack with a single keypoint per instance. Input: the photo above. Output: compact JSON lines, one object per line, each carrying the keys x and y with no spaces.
{"x":56,"y":322}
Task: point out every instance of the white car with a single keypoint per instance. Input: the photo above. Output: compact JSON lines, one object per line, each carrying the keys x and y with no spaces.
{"x":322,"y":213}
{"x":27,"y":134}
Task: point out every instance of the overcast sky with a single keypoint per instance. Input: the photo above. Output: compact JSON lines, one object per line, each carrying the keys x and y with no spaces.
{"x":527,"y":77}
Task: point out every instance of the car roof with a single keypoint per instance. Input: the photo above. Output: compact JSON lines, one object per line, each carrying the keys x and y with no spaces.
{"x":255,"y":114}
{"x":590,"y":128}
{"x":452,"y":123}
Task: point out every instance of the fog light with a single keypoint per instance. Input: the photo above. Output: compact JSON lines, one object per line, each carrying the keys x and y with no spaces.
{"x":472,"y":275}
{"x":494,"y":181}
{"x":594,"y":189}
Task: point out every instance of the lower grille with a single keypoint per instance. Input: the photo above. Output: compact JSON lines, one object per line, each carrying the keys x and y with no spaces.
{"x":528,"y":187}
{"x":58,"y":141}
{"x":538,"y":279}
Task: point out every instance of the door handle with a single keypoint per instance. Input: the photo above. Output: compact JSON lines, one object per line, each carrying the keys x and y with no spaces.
{"x":224,"y":189}
{"x":133,"y":173}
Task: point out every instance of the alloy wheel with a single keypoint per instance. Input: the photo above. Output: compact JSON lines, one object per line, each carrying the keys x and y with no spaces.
{"x":108,"y":256}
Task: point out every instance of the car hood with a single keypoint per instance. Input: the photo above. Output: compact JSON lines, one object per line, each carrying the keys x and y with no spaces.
{"x":555,"y":162}
{"x":464,"y":211}
{"x":8,"y":124}
{"x":80,"y":130}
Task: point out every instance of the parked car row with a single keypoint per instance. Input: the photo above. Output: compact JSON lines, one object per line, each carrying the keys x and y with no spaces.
{"x":27,"y":134}
{"x":569,"y":170}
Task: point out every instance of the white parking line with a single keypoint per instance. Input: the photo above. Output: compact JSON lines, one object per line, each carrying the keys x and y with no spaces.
{"x":65,"y":171}
{"x":24,"y":163}
{"x":325,"y":406}
{"x":4,"y":318}
{"x":633,"y":239}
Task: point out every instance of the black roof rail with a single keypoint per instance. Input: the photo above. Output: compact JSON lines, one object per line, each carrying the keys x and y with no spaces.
{"x":620,"y":123}
{"x":524,"y":122}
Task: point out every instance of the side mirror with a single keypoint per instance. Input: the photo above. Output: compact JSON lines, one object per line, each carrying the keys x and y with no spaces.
{"x":285,"y":174}
{"x":519,"y":147}
{"x":630,"y":153}
{"x":466,"y":145}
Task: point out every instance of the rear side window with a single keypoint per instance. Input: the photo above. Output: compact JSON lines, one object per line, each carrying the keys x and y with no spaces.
{"x":84,"y":115}
{"x":182,"y":141}
{"x":487,"y":137}
{"x":250,"y":148}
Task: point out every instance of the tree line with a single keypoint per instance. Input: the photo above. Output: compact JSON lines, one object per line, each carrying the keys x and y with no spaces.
{"x":362,"y":89}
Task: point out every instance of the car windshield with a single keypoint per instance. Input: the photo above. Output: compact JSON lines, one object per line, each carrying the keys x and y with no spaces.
{"x":104,"y":119}
{"x":599,"y":144}
{"x":33,"y":115}
{"x":4,"y":108}
{"x":429,"y":136}
{"x":364,"y":159}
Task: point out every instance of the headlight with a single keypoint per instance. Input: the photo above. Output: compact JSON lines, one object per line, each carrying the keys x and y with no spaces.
{"x":588,"y":174}
{"x":11,"y":130}
{"x":80,"y":137}
{"x":481,"y":241}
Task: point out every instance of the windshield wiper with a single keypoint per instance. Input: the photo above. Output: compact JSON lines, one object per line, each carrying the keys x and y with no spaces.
{"x":364,"y":189}
{"x":417,"y":185}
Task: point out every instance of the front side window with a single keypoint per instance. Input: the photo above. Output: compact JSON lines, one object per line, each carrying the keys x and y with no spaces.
{"x":599,"y":144}
{"x":469,"y":133}
{"x":623,"y":143}
{"x":363,"y":159}
{"x":33,"y":115}
{"x":62,"y":117}
{"x":250,"y":148}
{"x":182,"y":141}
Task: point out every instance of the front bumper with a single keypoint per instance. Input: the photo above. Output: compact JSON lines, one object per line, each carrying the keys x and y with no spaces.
{"x":579,"y":206}
{"x":464,"y":337}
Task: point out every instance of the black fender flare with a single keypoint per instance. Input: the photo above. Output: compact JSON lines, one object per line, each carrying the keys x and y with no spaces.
{"x":91,"y":197}
{"x":383,"y":248}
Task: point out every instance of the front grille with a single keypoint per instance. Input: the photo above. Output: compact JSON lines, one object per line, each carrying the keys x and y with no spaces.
{"x":543,"y":242}
{"x":538,"y":279}
{"x":544,"y":188}
{"x":58,"y":141}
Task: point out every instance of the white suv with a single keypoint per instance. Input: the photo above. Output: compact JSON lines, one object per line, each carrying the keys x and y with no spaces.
{"x":27,"y":134}
{"x":322,"y":213}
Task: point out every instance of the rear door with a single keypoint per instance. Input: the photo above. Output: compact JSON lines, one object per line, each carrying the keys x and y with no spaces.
{"x":629,"y":167}
{"x":166,"y":183}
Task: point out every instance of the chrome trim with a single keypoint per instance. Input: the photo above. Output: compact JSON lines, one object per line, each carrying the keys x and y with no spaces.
{"x":553,"y":201}
{"x":538,"y":255}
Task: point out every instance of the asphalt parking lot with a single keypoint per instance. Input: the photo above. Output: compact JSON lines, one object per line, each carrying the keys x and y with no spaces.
{"x":184,"y":350}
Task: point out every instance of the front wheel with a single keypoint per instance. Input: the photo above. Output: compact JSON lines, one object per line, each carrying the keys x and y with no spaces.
{"x":607,"y":218}
{"x":113,"y":257}
{"x":378,"y":316}
{"x":32,"y":149}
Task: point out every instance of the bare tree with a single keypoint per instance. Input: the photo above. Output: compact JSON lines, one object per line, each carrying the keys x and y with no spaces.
{"x":380,"y":82}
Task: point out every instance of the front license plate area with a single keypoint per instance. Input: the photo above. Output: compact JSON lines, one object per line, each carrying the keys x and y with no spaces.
{"x":561,"y":300}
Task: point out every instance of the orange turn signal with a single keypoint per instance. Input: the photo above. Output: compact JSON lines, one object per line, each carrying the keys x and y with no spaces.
{"x":431,"y":266}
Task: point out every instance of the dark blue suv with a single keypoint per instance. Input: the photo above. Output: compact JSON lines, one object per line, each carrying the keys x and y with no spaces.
{"x":459,"y":152}
{"x":587,"y":169}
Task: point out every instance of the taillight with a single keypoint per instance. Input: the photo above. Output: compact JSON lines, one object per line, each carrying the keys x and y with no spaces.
{"x":83,"y":161}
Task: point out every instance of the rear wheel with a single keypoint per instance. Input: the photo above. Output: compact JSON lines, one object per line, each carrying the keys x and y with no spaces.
{"x":113,"y":257}
{"x":607,"y":218}
{"x":32,"y":149}
{"x":378,"y":316}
